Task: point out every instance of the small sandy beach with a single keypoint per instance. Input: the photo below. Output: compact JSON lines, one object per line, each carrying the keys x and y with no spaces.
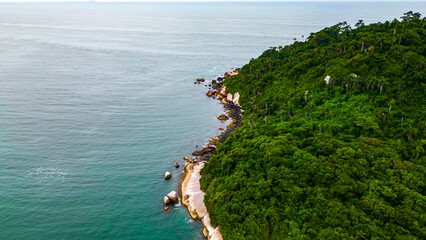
{"x":193,"y":198}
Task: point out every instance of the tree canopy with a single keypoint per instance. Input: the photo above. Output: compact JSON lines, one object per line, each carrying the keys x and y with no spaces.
{"x":332,"y":143}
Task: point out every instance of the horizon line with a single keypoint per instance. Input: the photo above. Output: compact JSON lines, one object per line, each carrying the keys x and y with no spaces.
{"x":196,"y":1}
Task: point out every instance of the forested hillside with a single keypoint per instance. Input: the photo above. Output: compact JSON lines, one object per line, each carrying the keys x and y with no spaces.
{"x":332,"y":143}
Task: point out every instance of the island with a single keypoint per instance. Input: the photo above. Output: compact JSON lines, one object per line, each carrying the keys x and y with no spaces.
{"x":332,"y":139}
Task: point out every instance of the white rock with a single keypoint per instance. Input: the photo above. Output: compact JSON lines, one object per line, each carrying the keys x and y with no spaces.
{"x":167,"y":175}
{"x":229,"y":97}
{"x":166,"y":200}
{"x":173,"y":196}
{"x":223,"y":91}
{"x":327,"y":79}
{"x":236,"y":98}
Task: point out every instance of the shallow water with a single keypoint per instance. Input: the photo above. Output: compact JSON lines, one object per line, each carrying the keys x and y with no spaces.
{"x":97,"y":101}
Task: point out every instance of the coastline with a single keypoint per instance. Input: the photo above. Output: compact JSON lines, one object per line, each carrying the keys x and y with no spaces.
{"x":191,"y":195}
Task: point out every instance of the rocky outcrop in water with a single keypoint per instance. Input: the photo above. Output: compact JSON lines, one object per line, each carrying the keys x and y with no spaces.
{"x":223,"y":117}
{"x":166,"y":200}
{"x":173,"y":196}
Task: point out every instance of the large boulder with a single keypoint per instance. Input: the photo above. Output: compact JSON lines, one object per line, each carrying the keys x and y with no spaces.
{"x":167,"y":175}
{"x":173,"y":196}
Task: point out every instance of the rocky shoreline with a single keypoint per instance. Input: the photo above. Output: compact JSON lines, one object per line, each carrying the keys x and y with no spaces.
{"x":191,"y":195}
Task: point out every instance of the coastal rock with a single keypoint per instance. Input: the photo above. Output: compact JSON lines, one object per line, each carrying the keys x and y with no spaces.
{"x":230,"y":73}
{"x":229,"y":97}
{"x":209,"y":93}
{"x":223,"y":91}
{"x":173,"y":196}
{"x":223,"y":101}
{"x":200,"y":79}
{"x":214,"y":140}
{"x":221,"y":128}
{"x":176,"y":165}
{"x":185,"y":158}
{"x":166,"y":209}
{"x":223,"y":117}
{"x":166,"y":200}
{"x":205,"y":232}
{"x":211,"y":146}
{"x":236,"y":98}
{"x":207,"y":149}
{"x":231,"y":123}
{"x":167,"y":175}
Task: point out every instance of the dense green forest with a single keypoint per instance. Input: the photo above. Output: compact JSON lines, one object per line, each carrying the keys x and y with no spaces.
{"x":337,"y":159}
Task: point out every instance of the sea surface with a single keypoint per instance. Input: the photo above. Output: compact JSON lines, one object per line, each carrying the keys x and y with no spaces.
{"x":97,"y":101}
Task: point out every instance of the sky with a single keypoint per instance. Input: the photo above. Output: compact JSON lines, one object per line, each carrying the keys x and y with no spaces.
{"x":205,"y":0}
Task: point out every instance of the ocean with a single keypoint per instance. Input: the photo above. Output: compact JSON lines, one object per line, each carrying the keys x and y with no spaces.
{"x":97,"y":102}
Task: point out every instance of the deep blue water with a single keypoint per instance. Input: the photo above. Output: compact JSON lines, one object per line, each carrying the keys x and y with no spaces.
{"x":97,"y":101}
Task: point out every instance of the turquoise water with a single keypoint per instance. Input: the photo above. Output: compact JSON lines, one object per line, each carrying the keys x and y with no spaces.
{"x":97,"y":101}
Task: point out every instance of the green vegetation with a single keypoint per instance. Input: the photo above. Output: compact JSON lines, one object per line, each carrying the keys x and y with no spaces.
{"x":343,"y":160}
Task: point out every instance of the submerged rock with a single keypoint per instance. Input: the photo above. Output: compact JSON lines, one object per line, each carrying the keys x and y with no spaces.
{"x":173,"y":196}
{"x":167,"y":175}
